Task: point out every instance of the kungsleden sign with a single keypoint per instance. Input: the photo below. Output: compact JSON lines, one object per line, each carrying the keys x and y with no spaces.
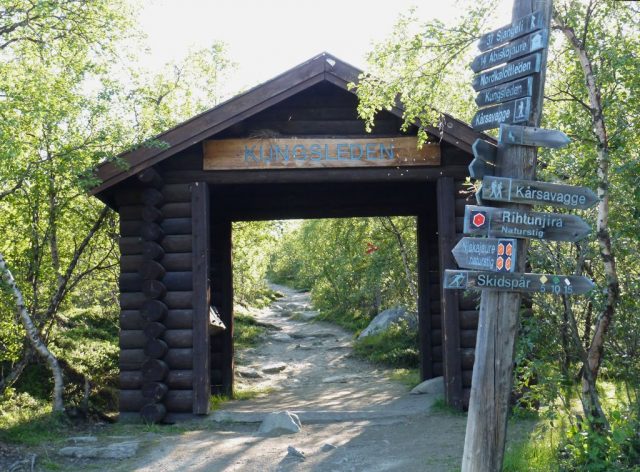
{"x":505,"y":92}
{"x":282,"y":153}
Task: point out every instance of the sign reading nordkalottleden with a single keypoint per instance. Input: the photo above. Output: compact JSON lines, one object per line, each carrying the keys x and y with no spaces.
{"x":309,"y":153}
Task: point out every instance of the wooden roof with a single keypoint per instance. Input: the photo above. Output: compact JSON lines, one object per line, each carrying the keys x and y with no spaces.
{"x":322,"y":68}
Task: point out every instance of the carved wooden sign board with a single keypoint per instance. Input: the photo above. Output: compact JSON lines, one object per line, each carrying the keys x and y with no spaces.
{"x":513,"y":223}
{"x":498,"y":255}
{"x":531,"y":192}
{"x":517,"y":282}
{"x":310,"y":153}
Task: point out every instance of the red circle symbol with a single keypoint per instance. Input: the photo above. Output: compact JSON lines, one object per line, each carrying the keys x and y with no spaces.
{"x":479,"y":219}
{"x":499,"y":263}
{"x":507,"y":264}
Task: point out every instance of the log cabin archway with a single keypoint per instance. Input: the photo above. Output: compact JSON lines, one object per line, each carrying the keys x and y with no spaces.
{"x":293,"y":147}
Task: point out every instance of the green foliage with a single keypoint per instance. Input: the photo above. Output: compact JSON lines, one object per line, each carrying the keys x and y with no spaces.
{"x":397,"y":346}
{"x":348,"y":285}
{"x":408,"y":377}
{"x":26,"y":420}
{"x":246,"y":331}
{"x":537,"y":453}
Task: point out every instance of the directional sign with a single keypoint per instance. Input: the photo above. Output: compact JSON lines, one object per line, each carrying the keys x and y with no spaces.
{"x":502,"y":189}
{"x":515,"y":111}
{"x":507,"y":33}
{"x":513,"y":223}
{"x":517,"y":282}
{"x":505,"y":92}
{"x":530,"y":136}
{"x":497,"y":255}
{"x":485,"y":159}
{"x":511,"y":71}
{"x":508,"y":52}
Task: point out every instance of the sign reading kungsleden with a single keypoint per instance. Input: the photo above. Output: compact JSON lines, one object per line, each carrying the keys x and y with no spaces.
{"x":309,"y":153}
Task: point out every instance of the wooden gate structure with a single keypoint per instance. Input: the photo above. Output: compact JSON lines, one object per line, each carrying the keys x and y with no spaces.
{"x":293,"y":147}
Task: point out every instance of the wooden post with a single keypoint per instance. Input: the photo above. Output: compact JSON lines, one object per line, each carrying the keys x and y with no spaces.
{"x":200,"y":273}
{"x":498,"y":322}
{"x":425,"y":231}
{"x":450,"y":309}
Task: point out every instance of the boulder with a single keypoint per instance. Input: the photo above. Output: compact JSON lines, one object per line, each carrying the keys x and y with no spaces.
{"x":433,"y":386}
{"x":384,"y":319}
{"x":274,"y":368}
{"x":281,"y":422}
{"x":293,"y":452}
{"x":248,"y":372}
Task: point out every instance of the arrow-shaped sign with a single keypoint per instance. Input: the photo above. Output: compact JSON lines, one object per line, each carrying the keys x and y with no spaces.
{"x":505,"y":92}
{"x":515,"y":111}
{"x":507,"y":33}
{"x":513,"y":223}
{"x":520,"y":47}
{"x":530,"y":136}
{"x":502,"y":189}
{"x":517,"y":282}
{"x":511,"y":71}
{"x":497,"y":255}
{"x":485,"y":159}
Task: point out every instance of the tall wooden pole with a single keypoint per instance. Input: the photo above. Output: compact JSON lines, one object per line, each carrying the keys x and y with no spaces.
{"x":498,"y":323}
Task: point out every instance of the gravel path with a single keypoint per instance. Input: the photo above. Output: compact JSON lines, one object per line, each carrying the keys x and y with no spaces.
{"x":354,"y":418}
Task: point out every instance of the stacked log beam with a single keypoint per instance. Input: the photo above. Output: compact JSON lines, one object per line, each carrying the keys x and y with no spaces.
{"x":156,"y":318}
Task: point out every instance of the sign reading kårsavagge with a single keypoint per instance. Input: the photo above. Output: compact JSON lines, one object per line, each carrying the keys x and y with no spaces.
{"x":516,"y":111}
{"x":503,"y":189}
{"x":513,"y":223}
{"x":517,"y":282}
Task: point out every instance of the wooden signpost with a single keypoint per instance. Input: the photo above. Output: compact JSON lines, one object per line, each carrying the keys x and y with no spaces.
{"x":492,"y":254}
{"x":484,"y":161}
{"x":515,"y":111}
{"x":515,"y":223}
{"x":531,"y":136}
{"x":532,"y":192}
{"x":515,"y":282}
{"x":510,"y":179}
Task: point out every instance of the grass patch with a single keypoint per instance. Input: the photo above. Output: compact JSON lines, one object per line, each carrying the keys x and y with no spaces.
{"x":26,"y":420}
{"x":408,"y":377}
{"x":396,"y":347}
{"x":441,"y":406}
{"x":216,"y":401}
{"x":247,"y":331}
{"x":537,"y":453}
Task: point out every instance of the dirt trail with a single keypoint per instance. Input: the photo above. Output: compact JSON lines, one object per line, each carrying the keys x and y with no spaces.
{"x":370,"y":422}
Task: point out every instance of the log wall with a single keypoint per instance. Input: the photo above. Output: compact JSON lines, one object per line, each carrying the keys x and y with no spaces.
{"x":156,"y":298}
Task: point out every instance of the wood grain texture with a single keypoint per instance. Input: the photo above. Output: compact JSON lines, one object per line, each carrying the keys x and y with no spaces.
{"x":311,"y":153}
{"x":498,"y":319}
{"x":449,"y":299}
{"x":200,"y":221}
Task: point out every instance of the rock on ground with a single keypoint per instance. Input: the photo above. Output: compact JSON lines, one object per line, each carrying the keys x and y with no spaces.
{"x":281,"y":422}
{"x":433,"y":386}
{"x":122,"y":450}
{"x":383,"y":320}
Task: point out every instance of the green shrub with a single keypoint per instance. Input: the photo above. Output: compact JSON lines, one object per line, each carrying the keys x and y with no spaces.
{"x":396,"y":347}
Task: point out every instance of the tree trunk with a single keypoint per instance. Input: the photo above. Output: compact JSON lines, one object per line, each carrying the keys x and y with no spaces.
{"x":34,"y":336}
{"x":405,"y":258}
{"x":595,"y":352}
